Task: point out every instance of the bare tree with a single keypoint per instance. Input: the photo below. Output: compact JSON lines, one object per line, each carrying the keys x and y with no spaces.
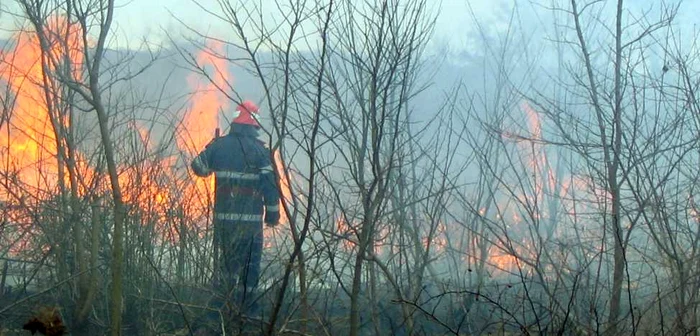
{"x":603,"y":144}
{"x":92,"y":21}
{"x":55,"y":47}
{"x":363,"y":127}
{"x":664,"y":189}
{"x":558,"y":206}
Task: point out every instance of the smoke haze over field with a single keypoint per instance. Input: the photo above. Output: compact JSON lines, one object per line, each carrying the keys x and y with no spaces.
{"x":455,"y":167}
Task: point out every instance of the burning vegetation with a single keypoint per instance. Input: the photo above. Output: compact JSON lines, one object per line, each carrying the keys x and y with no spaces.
{"x":403,"y":210}
{"x":42,"y":156}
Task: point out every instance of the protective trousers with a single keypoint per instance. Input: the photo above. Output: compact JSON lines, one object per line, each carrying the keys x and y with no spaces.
{"x":240,"y":252}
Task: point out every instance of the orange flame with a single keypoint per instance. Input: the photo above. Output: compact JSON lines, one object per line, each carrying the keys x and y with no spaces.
{"x":37,"y":112}
{"x":157,"y":189}
{"x":346,"y":233}
{"x":30,"y":134}
{"x":438,"y":243}
{"x":202,"y":119}
{"x":285,"y":188}
{"x":502,"y":261}
{"x":270,"y":234}
{"x":544,"y":183}
{"x":198,"y":126}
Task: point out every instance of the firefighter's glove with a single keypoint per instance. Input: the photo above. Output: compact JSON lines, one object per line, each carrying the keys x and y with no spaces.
{"x":272,"y":218}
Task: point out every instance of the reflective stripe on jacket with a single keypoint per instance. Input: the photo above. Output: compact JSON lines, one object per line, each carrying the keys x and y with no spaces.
{"x":245,"y":179}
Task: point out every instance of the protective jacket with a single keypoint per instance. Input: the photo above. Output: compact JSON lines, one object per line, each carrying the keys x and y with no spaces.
{"x":245,"y":181}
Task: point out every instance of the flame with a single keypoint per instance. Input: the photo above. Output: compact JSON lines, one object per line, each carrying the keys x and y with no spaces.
{"x":198,"y":126}
{"x":380,"y":244}
{"x":152,"y":188}
{"x":285,"y":188}
{"x":543,"y":184}
{"x":157,"y":189}
{"x":37,"y":111}
{"x":29,"y":137}
{"x":533,"y":121}
{"x":271,"y":234}
{"x":502,"y":261}
{"x":346,"y":233}
{"x":439,"y":239}
{"x":575,"y":194}
{"x":202,"y":119}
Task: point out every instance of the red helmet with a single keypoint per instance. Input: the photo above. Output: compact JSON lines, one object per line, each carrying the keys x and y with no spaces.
{"x":244,"y":114}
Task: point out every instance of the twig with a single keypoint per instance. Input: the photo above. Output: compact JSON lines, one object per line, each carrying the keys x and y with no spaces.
{"x":172,"y":291}
{"x":58,"y":284}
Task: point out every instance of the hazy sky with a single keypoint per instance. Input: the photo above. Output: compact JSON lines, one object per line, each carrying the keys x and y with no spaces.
{"x":135,"y":19}
{"x":131,"y":15}
{"x":149,"y":19}
{"x":146,"y":17}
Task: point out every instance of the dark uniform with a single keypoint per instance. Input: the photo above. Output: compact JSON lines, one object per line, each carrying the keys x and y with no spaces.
{"x":246,"y":190}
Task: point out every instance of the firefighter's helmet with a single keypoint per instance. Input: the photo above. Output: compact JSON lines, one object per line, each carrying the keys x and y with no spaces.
{"x":246,"y":114}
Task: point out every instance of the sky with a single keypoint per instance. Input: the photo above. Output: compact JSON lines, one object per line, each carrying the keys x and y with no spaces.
{"x":167,"y":13}
{"x":150,"y":19}
{"x":153,"y":20}
{"x":144,"y":17}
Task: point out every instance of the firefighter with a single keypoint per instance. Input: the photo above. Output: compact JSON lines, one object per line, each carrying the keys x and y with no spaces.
{"x":246,"y":195}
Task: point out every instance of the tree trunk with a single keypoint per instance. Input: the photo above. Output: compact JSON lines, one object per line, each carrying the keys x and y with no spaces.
{"x":613,"y":182}
{"x":618,"y":273}
{"x":374,"y":303}
{"x":355,"y":293}
{"x":95,"y":225}
{"x":118,"y":230}
{"x":183,"y":247}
